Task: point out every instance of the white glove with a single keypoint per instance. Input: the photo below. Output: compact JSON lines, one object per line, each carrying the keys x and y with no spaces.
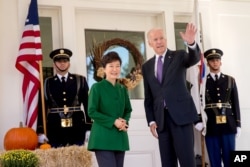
{"x":42,"y":138}
{"x":238,"y":132}
{"x":87,"y":134}
{"x":199,"y":126}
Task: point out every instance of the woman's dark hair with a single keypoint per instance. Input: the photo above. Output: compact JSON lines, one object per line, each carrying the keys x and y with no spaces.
{"x":110,"y":57}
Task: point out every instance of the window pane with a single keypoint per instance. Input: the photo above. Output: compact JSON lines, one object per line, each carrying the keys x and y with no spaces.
{"x":46,"y":37}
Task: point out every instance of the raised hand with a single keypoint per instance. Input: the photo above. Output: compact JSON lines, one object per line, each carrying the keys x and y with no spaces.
{"x":189,"y":35}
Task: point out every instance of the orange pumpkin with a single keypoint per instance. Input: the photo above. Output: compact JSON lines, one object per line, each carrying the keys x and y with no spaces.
{"x":20,"y":138}
{"x":45,"y":146}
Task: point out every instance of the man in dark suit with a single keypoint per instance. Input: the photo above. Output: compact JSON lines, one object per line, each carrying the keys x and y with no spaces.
{"x":169,"y":107}
{"x":222,"y":110}
{"x":64,"y":95}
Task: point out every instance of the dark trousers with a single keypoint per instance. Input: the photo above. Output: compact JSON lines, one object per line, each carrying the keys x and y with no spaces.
{"x":110,"y":158}
{"x":219,"y":149}
{"x":176,"y":142}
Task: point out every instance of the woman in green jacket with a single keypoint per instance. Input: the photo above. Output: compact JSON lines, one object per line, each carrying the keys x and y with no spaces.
{"x":110,"y":109}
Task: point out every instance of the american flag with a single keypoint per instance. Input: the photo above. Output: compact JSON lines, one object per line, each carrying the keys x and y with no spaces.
{"x":27,"y":62}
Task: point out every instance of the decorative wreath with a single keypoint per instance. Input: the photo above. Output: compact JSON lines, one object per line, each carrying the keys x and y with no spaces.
{"x":133,"y":78}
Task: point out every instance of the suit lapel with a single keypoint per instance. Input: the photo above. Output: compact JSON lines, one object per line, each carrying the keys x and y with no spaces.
{"x":167,"y":63}
{"x":152,"y":71}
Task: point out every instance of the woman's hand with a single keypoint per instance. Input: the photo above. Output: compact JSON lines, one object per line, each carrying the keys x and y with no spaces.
{"x":121,"y":124}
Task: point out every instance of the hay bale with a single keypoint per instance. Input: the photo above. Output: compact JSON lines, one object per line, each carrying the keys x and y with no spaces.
{"x":71,"y":156}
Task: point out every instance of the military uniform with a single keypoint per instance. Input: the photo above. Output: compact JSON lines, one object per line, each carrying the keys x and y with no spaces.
{"x":222,"y":110}
{"x":222,"y":106}
{"x":66,"y":122}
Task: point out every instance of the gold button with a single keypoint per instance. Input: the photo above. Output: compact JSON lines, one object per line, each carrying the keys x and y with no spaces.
{"x":64,"y":99}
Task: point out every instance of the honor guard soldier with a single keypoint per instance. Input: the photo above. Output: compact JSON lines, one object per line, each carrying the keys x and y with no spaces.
{"x":65,"y":93}
{"x":222,"y":110}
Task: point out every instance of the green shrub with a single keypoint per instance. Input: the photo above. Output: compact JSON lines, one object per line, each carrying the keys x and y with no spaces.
{"x":19,"y":158}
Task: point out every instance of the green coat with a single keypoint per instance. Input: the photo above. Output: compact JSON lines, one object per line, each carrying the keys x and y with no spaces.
{"x":107,"y":103}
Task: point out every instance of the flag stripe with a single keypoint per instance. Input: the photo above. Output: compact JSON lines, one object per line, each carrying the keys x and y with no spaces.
{"x":27,"y":45}
{"x":27,"y":62}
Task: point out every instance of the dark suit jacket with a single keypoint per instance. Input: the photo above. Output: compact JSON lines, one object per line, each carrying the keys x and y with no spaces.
{"x":173,"y":89}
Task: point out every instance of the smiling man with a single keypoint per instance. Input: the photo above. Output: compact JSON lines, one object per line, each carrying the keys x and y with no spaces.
{"x":169,"y":107}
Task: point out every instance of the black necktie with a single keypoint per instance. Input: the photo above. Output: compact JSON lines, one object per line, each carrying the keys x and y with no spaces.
{"x":63,"y":80}
{"x":216,"y":77}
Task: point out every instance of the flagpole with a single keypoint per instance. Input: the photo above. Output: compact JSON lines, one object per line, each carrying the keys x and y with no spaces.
{"x":197,"y":19}
{"x":42,"y":98}
{"x":202,"y":136}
